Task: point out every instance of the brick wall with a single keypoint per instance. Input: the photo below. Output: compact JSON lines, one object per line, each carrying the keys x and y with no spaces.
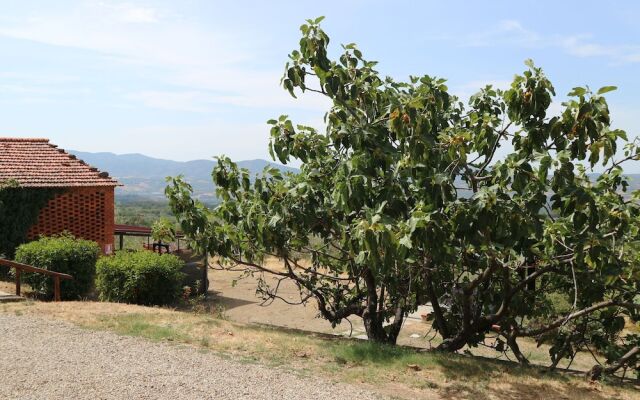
{"x":86,"y":213}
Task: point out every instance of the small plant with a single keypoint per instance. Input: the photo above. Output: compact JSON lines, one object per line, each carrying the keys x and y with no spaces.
{"x":186,"y":293}
{"x":220,"y":312}
{"x":140,"y":277}
{"x":163,"y":231}
{"x":65,"y":254}
{"x":198,"y":304}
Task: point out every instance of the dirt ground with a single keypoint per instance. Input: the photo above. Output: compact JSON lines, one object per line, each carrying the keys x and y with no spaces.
{"x":240,"y":303}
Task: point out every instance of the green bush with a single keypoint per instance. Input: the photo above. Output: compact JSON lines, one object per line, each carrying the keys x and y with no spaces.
{"x":140,"y":277}
{"x":65,"y":254}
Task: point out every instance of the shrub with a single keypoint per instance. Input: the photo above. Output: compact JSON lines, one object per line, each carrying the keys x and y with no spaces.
{"x":65,"y":254}
{"x":140,"y":277}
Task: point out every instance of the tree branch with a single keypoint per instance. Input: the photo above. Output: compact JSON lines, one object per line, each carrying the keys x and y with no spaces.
{"x":585,"y":311}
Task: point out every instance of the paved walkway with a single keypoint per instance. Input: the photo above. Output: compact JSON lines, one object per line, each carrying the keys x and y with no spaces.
{"x":45,"y":359}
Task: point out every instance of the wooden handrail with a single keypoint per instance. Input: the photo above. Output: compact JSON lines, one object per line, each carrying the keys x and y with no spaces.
{"x":29,"y":268}
{"x":57,"y":276}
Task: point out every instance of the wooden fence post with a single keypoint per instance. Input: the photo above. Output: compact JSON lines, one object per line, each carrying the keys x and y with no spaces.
{"x":18,"y":282}
{"x":56,"y":288}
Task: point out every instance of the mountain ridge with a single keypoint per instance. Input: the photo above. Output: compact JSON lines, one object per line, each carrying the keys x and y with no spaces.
{"x":144,"y":177}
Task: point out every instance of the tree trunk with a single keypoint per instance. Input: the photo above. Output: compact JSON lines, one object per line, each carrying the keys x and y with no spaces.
{"x":459,"y":340}
{"x":393,"y":329}
{"x":374,"y":328}
{"x":377,"y":332}
{"x":373,"y":315}
{"x":441,"y":324}
{"x":453,"y":343}
{"x":512,"y":342}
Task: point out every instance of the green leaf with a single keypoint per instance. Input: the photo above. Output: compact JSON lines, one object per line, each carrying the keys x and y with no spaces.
{"x":577,"y":91}
{"x":274,"y":220}
{"x":406,"y":242}
{"x":361,"y":257}
{"x":606,"y":89}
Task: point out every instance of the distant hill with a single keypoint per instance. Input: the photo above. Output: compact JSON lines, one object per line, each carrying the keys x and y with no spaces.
{"x":144,"y":177}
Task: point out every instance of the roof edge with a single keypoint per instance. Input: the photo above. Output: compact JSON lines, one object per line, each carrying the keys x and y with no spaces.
{"x":39,"y":185}
{"x":13,"y":139}
{"x":31,"y":178}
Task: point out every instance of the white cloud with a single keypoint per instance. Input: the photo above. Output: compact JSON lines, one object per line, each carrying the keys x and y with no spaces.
{"x":580,"y":46}
{"x":576,"y":46}
{"x":191,"y":101}
{"x":105,"y":28}
{"x":468,"y":89}
{"x":136,"y":14}
{"x":506,"y":32}
{"x":512,"y":32}
{"x":205,"y":66}
{"x":633,"y":57}
{"x":250,"y":89}
{"x":26,"y":88}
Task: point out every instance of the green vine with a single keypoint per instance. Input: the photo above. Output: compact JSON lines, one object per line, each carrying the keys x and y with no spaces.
{"x":19,"y":209}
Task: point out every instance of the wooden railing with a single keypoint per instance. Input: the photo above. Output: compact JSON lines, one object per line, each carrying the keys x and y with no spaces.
{"x":57,"y":276}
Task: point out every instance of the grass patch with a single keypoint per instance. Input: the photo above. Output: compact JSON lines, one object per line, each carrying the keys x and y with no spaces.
{"x":382,"y":355}
{"x":139,"y":325}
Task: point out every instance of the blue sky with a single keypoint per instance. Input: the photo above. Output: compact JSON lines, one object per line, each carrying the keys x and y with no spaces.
{"x":193,"y":79}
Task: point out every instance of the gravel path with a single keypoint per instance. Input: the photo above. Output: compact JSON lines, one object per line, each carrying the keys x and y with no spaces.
{"x":45,"y":359}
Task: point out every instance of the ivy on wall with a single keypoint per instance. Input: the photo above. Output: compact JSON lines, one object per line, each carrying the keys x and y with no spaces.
{"x":19,"y":209}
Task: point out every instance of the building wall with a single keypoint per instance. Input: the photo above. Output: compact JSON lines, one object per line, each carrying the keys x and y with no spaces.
{"x":86,"y":213}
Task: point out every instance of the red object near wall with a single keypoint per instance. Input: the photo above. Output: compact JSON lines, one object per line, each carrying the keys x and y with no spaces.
{"x":85,"y":212}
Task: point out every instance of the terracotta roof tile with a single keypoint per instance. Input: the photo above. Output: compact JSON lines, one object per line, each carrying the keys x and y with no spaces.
{"x":38,"y":163}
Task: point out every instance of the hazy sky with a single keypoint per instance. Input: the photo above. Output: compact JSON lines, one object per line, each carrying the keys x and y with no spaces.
{"x":191,"y":79}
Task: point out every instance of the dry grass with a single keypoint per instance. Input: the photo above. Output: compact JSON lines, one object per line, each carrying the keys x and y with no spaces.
{"x":399,"y":372}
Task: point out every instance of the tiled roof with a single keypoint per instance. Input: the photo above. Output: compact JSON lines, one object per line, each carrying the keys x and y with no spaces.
{"x":38,"y":163}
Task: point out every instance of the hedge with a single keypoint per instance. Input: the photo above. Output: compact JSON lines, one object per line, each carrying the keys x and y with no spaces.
{"x":140,"y":277}
{"x":65,"y":254}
